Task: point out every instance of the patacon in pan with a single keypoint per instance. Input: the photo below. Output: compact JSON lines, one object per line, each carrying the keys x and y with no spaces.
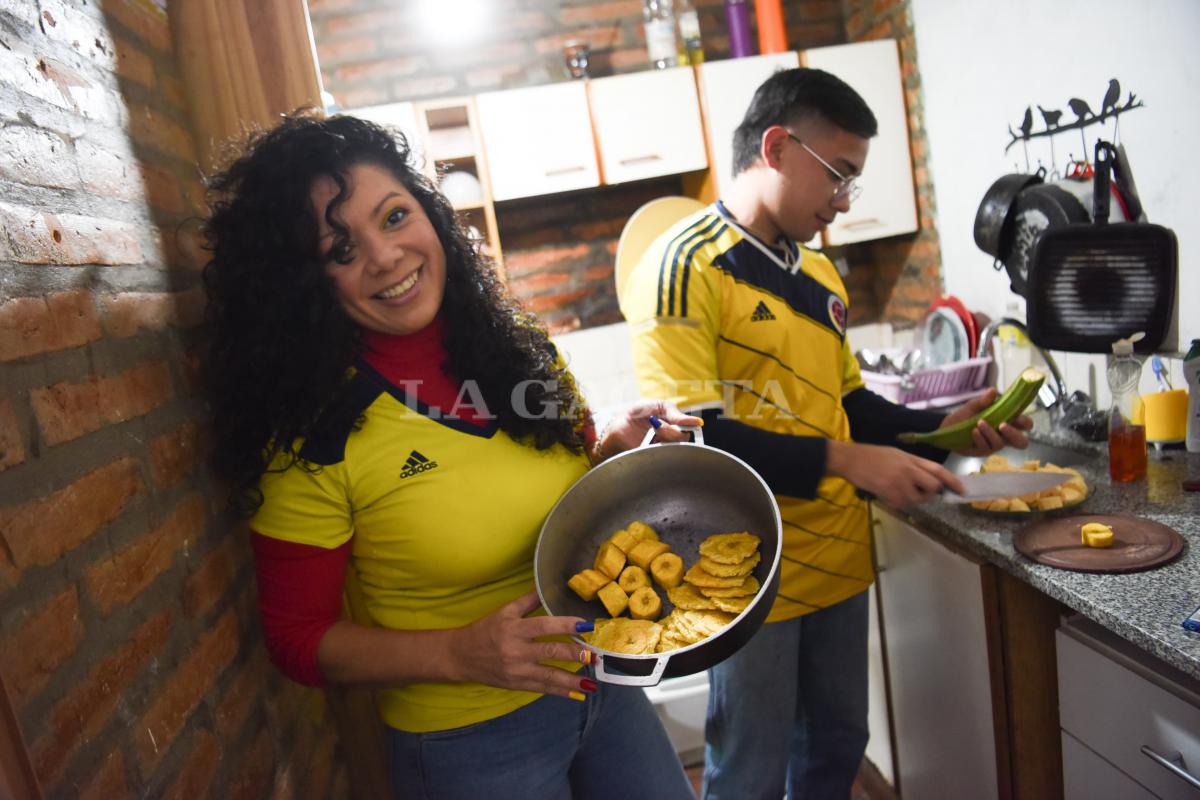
{"x":686,"y":491}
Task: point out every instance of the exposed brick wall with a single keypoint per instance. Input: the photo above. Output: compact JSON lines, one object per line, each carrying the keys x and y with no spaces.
{"x":128,"y":639}
{"x":905,"y":271}
{"x":558,"y":251}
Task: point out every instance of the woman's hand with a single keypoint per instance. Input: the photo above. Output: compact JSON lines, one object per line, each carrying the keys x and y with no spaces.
{"x":626,"y":430}
{"x":988,"y":439}
{"x":499,"y":650}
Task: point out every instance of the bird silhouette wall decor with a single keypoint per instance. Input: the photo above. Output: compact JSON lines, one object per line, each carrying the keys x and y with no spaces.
{"x":1084,"y":116}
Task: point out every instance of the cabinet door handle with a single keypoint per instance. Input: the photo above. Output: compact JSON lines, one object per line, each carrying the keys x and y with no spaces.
{"x":625,"y":162}
{"x":869,"y":222}
{"x":1174,"y":764}
{"x":551,"y":173}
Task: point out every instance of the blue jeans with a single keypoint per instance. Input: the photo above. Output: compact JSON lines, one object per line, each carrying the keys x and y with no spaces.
{"x":611,"y":746}
{"x":790,"y":709}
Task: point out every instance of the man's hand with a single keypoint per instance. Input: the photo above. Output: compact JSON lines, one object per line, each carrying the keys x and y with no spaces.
{"x":895,"y":477}
{"x":988,"y":439}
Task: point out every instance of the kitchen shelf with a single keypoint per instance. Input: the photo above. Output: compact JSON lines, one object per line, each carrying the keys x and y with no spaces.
{"x":451,"y":136}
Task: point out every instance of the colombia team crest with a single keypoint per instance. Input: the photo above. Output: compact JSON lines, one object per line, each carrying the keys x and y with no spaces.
{"x":837,"y":313}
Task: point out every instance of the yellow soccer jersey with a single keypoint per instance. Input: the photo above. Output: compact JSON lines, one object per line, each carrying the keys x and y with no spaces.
{"x":444,"y":516}
{"x":716,"y":323}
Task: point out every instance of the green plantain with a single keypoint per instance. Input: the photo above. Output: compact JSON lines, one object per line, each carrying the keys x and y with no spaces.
{"x":1004,"y":408}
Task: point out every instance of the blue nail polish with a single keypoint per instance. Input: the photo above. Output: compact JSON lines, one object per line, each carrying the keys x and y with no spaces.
{"x":585,"y":627}
{"x":655,"y":422}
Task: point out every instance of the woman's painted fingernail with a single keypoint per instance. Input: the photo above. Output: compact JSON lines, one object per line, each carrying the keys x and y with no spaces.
{"x":655,"y":422}
{"x":580,"y":696}
{"x":585,"y":657}
{"x":585,"y":627}
{"x":588,"y":685}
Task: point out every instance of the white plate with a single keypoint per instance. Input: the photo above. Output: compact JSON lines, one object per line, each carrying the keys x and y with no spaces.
{"x":944,"y":338}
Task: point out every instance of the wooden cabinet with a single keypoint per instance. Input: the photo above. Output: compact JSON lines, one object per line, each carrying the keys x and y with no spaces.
{"x":538,"y":140}
{"x":888,"y":205}
{"x":647,"y":124}
{"x":456,"y":155}
{"x":938,"y":671}
{"x":726,"y":88}
{"x":1121,"y":713}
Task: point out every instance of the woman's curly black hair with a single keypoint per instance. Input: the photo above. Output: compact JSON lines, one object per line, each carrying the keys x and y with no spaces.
{"x":279,"y":345}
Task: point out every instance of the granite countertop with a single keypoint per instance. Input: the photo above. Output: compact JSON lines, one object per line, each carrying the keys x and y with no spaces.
{"x":1146,"y":608}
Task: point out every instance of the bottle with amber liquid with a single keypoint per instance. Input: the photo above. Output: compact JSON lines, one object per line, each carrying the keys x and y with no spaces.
{"x":1126,"y":441}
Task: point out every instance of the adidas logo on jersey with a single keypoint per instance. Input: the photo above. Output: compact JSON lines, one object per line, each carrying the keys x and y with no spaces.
{"x":416,"y":464}
{"x":761,"y":312}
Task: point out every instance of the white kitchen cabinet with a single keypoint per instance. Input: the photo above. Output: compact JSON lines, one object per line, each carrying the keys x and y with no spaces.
{"x":938,"y":673}
{"x":538,"y":140}
{"x":1087,"y":776}
{"x":648,"y":124}
{"x":726,"y":88}
{"x":1125,"y":709}
{"x":887,"y":205}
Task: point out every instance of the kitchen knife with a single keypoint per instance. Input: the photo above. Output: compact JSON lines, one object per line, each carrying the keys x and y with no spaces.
{"x":993,"y":485}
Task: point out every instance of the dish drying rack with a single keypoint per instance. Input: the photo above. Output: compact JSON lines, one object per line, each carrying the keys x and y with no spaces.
{"x":934,"y":387}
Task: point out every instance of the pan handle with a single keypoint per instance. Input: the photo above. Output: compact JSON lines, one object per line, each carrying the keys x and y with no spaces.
{"x":1100,"y":199}
{"x":696,"y":430}
{"x":622,"y":679}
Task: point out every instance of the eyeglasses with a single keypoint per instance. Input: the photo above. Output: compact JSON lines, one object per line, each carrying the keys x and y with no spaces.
{"x":847,"y":188}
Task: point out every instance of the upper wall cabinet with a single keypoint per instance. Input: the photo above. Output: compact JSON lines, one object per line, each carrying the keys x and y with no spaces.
{"x":538,"y":140}
{"x":726,"y":88}
{"x":887,"y":205}
{"x":648,"y":124}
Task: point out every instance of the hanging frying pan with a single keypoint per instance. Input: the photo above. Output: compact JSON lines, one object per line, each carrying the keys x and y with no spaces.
{"x":993,"y":220}
{"x":1090,"y":285}
{"x":1038,"y":209}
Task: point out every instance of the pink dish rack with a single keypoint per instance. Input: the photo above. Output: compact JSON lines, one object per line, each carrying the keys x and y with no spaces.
{"x":935,"y":387}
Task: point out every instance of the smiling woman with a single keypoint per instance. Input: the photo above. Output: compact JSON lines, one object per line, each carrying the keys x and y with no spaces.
{"x":380,"y":402}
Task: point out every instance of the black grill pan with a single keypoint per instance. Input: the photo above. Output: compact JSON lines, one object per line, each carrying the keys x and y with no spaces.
{"x":1090,"y":285}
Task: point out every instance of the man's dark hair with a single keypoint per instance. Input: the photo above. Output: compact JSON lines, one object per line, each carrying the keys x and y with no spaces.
{"x":793,"y":96}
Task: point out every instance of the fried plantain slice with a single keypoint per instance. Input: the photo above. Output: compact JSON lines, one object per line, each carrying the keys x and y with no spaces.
{"x":645,"y":604}
{"x":740,"y":569}
{"x":699,"y":577}
{"x":624,"y":635}
{"x":633,"y":578}
{"x":750,"y":587}
{"x":729,"y":548}
{"x":667,"y":569}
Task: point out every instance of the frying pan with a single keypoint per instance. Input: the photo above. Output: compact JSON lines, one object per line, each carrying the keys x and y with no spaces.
{"x":1090,"y":285}
{"x":685,"y":491}
{"x":1037,"y":209}
{"x":993,"y":219}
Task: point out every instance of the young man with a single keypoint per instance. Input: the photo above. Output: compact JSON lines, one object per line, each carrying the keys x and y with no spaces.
{"x":732,"y":319}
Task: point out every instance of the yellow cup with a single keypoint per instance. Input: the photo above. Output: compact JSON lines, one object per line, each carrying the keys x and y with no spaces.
{"x":1165,"y":415}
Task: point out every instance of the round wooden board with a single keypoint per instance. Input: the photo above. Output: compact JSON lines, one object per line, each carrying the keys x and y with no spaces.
{"x":1138,"y":543}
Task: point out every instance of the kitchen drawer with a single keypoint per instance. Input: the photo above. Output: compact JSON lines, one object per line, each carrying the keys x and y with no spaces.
{"x":1120,"y":703}
{"x":1087,"y":776}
